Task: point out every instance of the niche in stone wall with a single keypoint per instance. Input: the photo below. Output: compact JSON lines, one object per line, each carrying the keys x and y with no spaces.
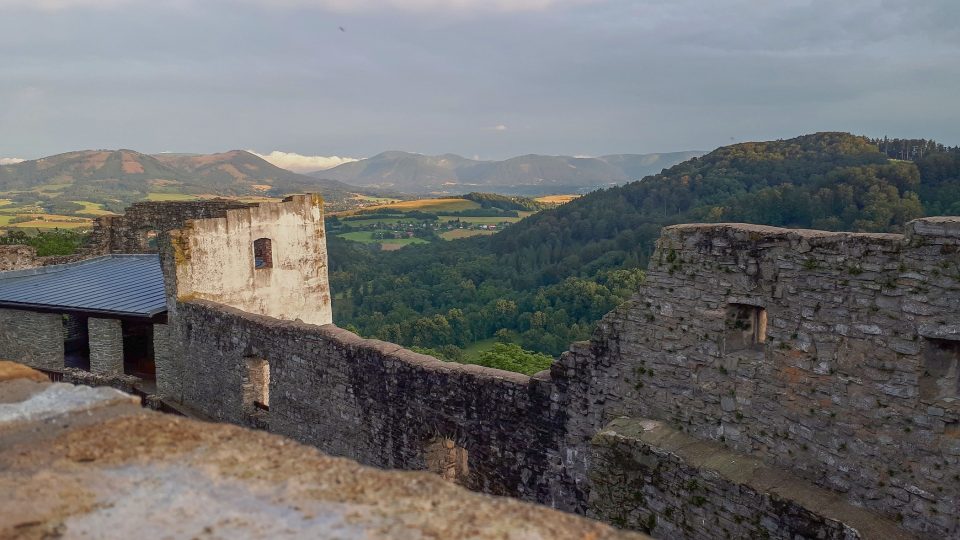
{"x":445,"y":458}
{"x":262,"y":253}
{"x":940,"y":377}
{"x":745,"y":327}
{"x":256,"y":385}
{"x":149,"y":240}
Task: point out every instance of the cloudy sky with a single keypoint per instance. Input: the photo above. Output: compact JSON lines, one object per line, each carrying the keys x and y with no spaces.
{"x":487,"y":78}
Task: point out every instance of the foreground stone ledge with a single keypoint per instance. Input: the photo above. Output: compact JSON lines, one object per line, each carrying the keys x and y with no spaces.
{"x":100,"y":465}
{"x":649,"y":476}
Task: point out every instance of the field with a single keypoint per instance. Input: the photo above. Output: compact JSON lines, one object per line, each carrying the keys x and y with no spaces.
{"x":366,"y":237}
{"x":464,"y":233}
{"x":480,"y":220}
{"x":556,"y":199}
{"x":153,"y":196}
{"x":92,"y":208}
{"x":49,"y":221}
{"x":374,"y":200}
{"x":424,"y":205}
{"x":374,"y":221}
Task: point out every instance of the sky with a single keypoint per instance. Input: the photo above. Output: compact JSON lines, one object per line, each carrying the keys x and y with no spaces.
{"x":315,"y":82}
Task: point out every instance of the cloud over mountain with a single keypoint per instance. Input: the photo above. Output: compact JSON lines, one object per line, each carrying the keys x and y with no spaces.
{"x":10,"y":160}
{"x":300,"y":163}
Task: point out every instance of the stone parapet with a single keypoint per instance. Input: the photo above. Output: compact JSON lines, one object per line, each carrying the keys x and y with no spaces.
{"x":91,"y":463}
{"x":648,"y":476}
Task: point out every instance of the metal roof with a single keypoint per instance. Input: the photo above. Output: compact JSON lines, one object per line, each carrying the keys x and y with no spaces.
{"x":118,"y":285}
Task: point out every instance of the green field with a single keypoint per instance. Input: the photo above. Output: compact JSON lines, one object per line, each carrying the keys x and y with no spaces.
{"x":92,"y":208}
{"x":366,"y":237}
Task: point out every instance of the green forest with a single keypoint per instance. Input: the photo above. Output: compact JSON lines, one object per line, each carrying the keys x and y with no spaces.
{"x":549,"y":278}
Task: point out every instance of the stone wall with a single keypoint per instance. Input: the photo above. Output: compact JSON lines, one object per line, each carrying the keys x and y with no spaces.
{"x":852,"y":386}
{"x":140,"y":228}
{"x":34,"y":339}
{"x":213,"y":259}
{"x":650,"y":477}
{"x":377,"y":402}
{"x":106,"y":345}
{"x":17,"y":258}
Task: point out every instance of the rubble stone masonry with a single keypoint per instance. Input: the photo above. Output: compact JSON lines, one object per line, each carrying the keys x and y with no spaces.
{"x":35,"y":339}
{"x":853,"y":385}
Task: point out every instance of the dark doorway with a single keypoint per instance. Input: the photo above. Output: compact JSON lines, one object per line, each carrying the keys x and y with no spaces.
{"x":76,"y":342}
{"x":138,"y":350}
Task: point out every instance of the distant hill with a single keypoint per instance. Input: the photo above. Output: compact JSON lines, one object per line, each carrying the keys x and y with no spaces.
{"x":124,"y":176}
{"x":532,"y":174}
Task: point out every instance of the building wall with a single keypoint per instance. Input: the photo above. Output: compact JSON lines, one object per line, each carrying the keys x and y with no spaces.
{"x":851,"y":388}
{"x":213,"y":259}
{"x":34,"y":339}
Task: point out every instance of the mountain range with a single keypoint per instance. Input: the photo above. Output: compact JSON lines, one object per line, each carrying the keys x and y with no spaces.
{"x":529,"y":174}
{"x":126,"y":175}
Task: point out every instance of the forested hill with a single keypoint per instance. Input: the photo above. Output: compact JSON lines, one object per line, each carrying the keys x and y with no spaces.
{"x":546,"y":280}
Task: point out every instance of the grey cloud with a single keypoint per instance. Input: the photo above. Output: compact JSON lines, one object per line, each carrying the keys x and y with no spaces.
{"x":565,"y":77}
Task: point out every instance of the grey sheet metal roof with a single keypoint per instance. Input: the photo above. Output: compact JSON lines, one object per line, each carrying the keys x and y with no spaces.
{"x":120,"y":285}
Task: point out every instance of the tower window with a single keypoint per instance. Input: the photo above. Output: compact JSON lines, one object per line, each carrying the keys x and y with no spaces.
{"x":262,"y":253}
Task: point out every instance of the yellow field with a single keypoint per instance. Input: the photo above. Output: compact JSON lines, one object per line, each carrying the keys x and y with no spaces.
{"x":556,"y":199}
{"x":464,"y":233}
{"x":92,"y":208}
{"x":450,"y":204}
{"x":5,"y":202}
{"x":153,"y":196}
{"x":53,"y":221}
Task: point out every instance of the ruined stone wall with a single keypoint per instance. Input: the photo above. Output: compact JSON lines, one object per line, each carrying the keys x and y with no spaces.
{"x":34,"y":339}
{"x":491,"y":430}
{"x":831,"y":355}
{"x":140,"y":228}
{"x":17,"y":258}
{"x":215,"y":259}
